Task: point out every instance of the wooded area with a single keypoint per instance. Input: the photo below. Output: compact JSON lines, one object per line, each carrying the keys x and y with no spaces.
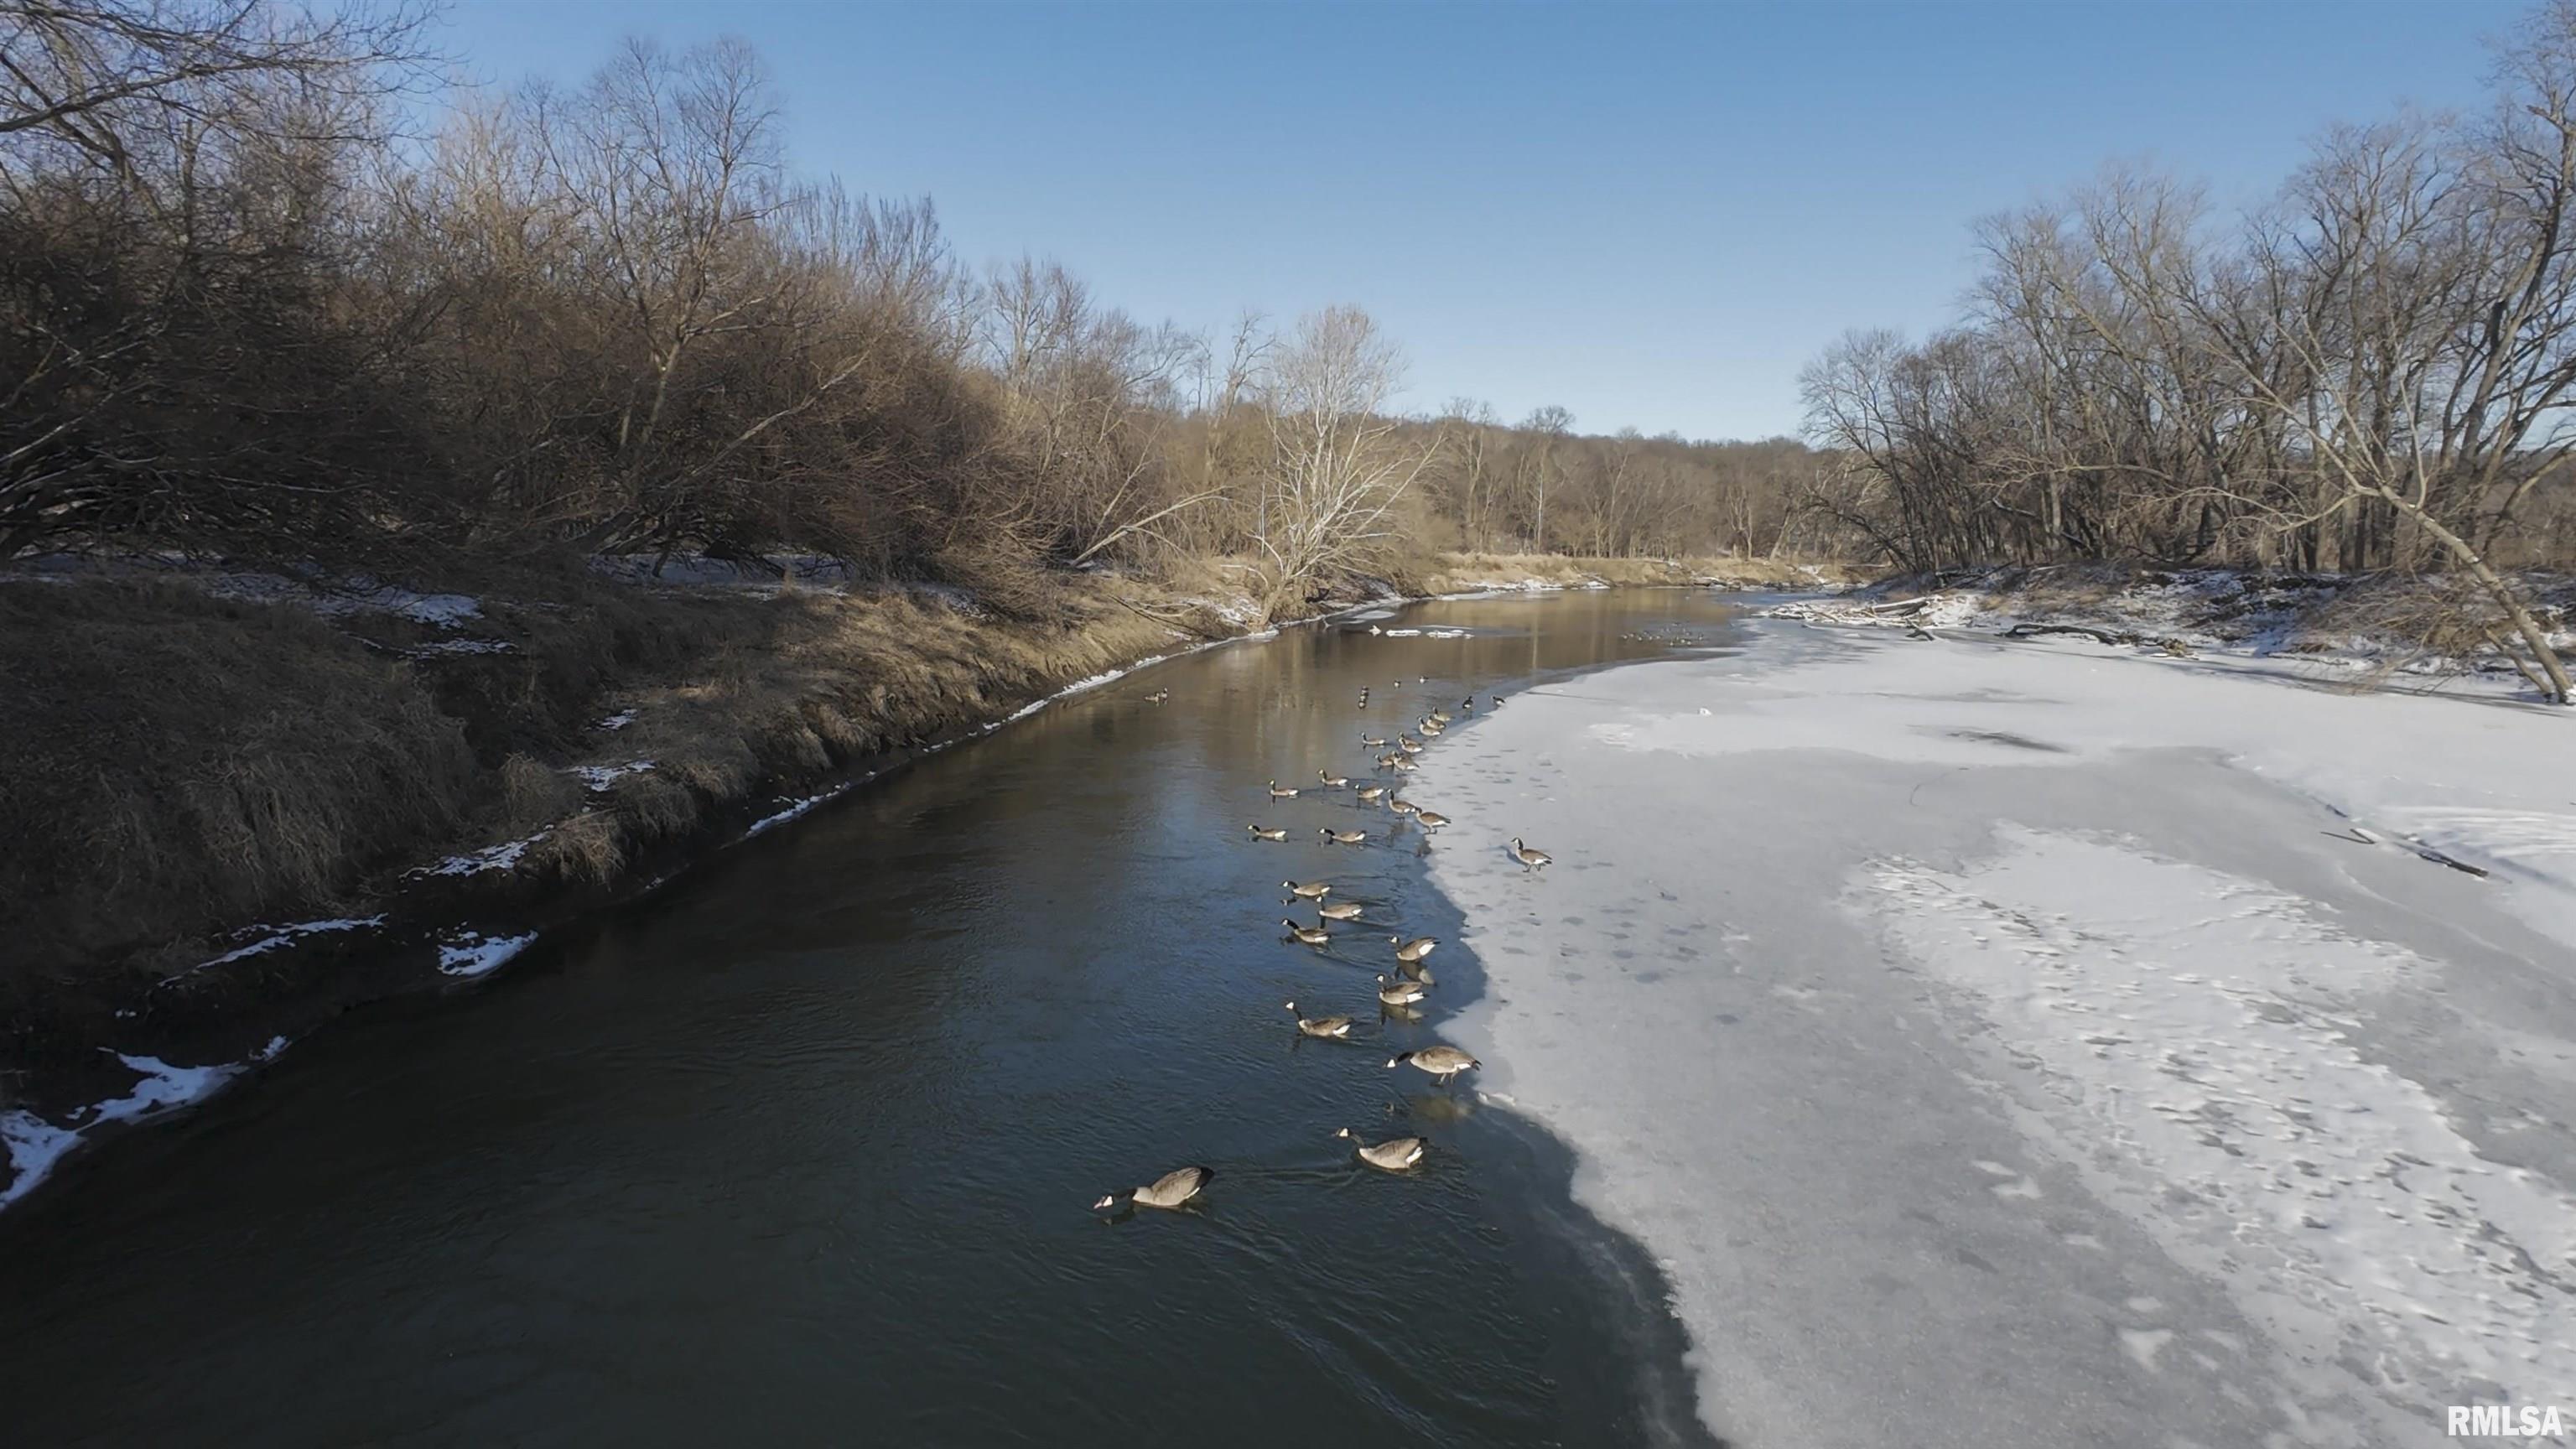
{"x":246,"y":319}
{"x":2371,"y":374}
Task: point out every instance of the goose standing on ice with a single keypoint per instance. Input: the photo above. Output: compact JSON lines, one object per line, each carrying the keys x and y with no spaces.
{"x":1394,"y":1154}
{"x":1442,"y":1062}
{"x":1529,"y":855}
{"x":1170,"y":1190}
{"x":1431,"y":819}
{"x":1402,"y":806}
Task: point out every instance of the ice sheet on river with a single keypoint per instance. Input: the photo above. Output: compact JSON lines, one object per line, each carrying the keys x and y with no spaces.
{"x":2013,"y":1045}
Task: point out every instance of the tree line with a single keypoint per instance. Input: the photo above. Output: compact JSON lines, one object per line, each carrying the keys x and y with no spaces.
{"x":2371,"y":373}
{"x":243,"y":315}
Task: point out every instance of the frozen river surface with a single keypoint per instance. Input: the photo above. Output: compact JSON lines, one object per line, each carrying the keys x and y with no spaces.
{"x":2010,"y":1044}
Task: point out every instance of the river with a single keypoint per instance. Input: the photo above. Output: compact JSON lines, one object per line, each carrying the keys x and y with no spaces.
{"x":800,"y":1149}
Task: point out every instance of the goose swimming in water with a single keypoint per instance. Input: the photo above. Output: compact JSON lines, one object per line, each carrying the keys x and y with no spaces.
{"x":1340,"y":911}
{"x":1343,"y":837}
{"x":1442,"y":1062}
{"x":1323,"y":1026}
{"x":1388,"y":761}
{"x":1400,"y":993}
{"x":1331,"y":780}
{"x":1431,"y":819}
{"x":1263,"y":832}
{"x":1394,"y":1154}
{"x":1278,"y":794}
{"x":1529,"y":855}
{"x":1371,"y":792}
{"x":1313,"y":890}
{"x":1311,"y":935}
{"x":1401,"y":762}
{"x":1167,"y":1191}
{"x":1158,"y":696}
{"x":1408,"y":744}
{"x":1415,"y":949}
{"x":1373,"y":742}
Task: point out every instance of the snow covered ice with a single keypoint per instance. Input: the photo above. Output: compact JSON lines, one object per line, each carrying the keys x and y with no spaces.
{"x":2014,"y":1044}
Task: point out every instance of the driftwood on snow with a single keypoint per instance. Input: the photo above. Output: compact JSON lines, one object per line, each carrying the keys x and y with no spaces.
{"x":2101,"y":636}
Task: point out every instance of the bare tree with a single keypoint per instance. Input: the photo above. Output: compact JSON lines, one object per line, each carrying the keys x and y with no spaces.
{"x":1339,"y":460}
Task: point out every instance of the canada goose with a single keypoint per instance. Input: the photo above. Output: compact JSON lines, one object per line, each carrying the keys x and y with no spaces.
{"x":1415,"y":949}
{"x":1402,"y":807}
{"x":1440,"y":716}
{"x":1313,"y":890}
{"x":1529,"y":855}
{"x":1158,"y":696}
{"x":1394,"y":1154}
{"x":1260,"y":832}
{"x":1430,"y":730}
{"x":1325,"y":1026}
{"x":1414,"y":971}
{"x":1278,"y":794}
{"x":1408,"y":744}
{"x":1343,"y":837}
{"x":1431,"y":819}
{"x":1443,"y":1062}
{"x":1331,"y":780}
{"x":1401,"y":762}
{"x":1373,"y":742}
{"x":1340,"y":911}
{"x":1388,"y":760}
{"x":1311,"y":935}
{"x":1400,"y":993}
{"x":1167,"y":1191}
{"x":1467,"y":705}
{"x":1371,"y":792}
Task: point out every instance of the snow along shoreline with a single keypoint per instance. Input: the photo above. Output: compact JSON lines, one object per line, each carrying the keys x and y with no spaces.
{"x":2016,"y":1044}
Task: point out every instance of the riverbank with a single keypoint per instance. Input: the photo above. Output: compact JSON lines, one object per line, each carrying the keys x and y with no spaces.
{"x":408,"y":787}
{"x":2362,"y":631}
{"x":2018,"y":1044}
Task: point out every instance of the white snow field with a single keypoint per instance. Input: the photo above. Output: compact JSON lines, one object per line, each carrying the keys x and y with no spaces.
{"x":2018,"y":1045}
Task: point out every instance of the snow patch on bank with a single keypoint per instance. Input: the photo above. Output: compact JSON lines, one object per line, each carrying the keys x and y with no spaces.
{"x":2184,"y":1037}
{"x":475,"y":954}
{"x":598,"y":778}
{"x":505,"y":856}
{"x":35,"y":1145}
{"x":288,"y":935}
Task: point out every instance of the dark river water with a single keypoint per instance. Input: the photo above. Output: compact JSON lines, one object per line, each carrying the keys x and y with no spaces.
{"x":801,"y":1150}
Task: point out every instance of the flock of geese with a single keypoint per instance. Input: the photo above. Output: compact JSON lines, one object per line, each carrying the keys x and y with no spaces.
{"x":1397,"y":995}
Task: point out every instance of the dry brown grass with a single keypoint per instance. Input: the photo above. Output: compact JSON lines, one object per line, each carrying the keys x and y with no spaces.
{"x":179,"y":762}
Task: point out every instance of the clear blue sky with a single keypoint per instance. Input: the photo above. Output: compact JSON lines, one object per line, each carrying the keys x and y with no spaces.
{"x":1652,"y":215}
